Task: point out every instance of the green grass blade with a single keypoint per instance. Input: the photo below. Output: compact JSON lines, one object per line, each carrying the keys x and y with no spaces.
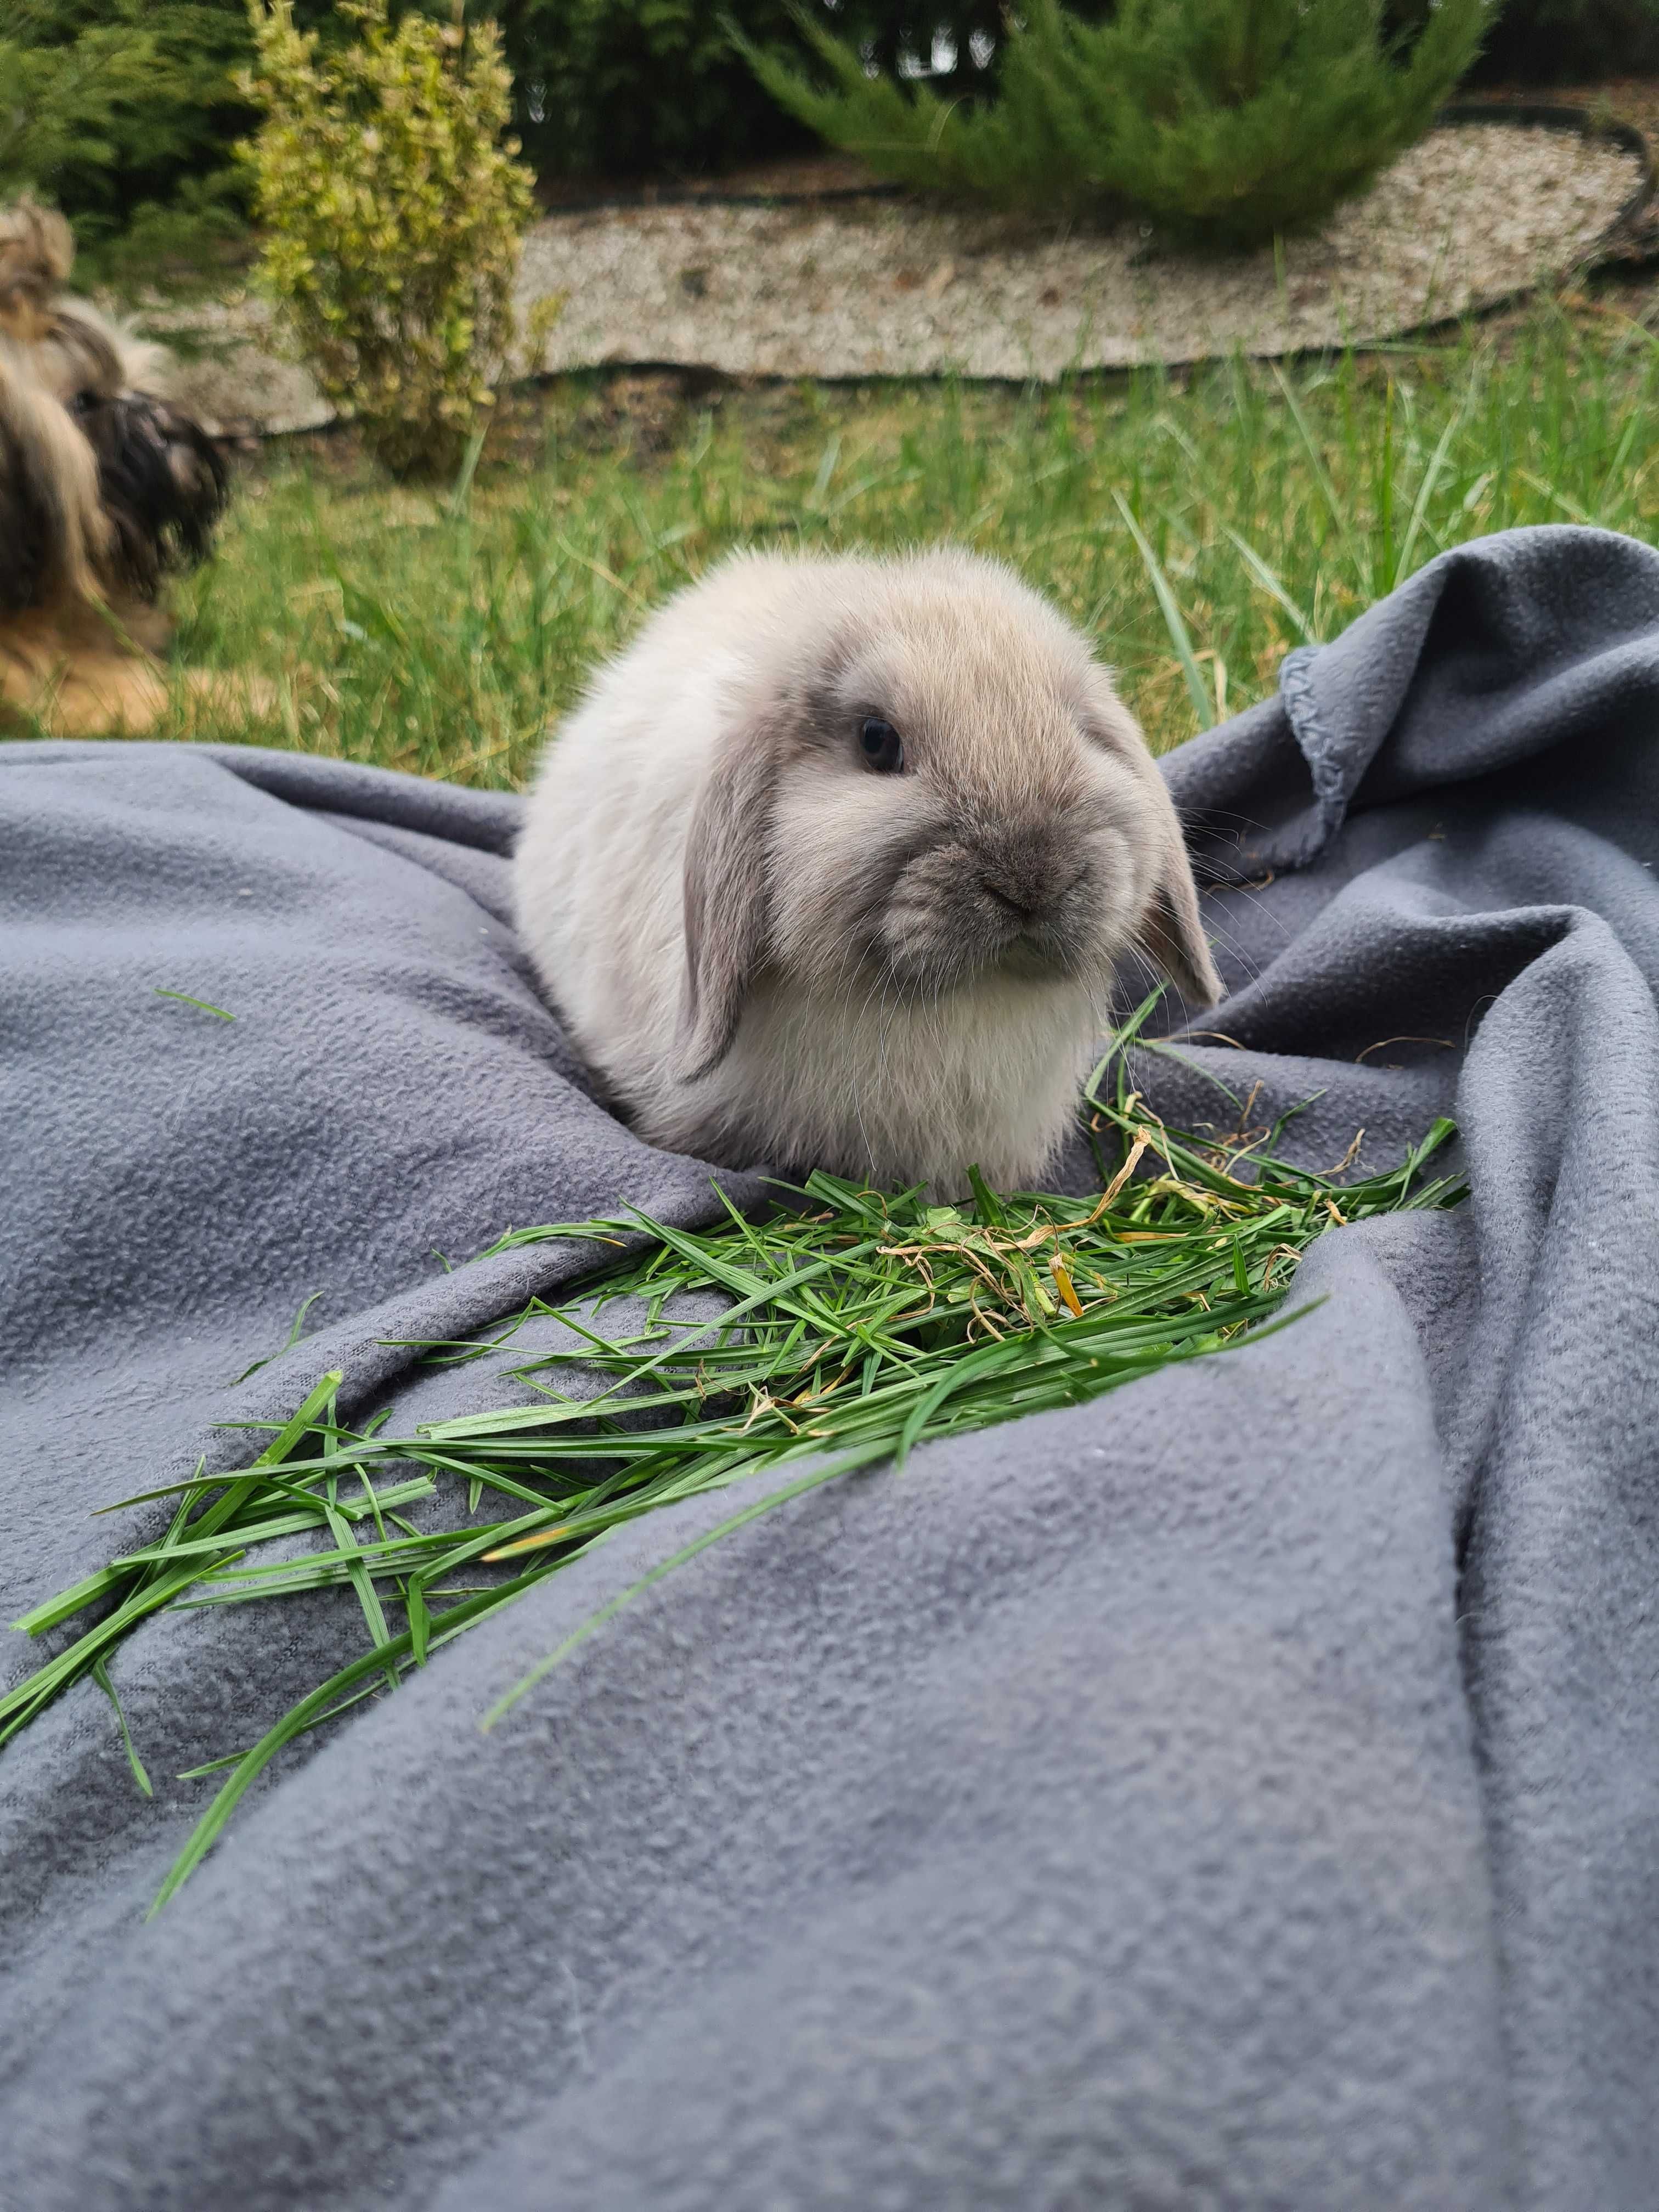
{"x":1300,"y":622}
{"x":1197,"y":689}
{"x":854,"y":1325}
{"x":100,"y":1675}
{"x":304,"y":1715}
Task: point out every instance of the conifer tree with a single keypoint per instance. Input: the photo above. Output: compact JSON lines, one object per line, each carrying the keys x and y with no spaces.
{"x":1228,"y":120}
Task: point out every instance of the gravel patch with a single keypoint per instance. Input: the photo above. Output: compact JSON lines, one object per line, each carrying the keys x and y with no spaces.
{"x":1474,"y":213}
{"x":1470,"y":216}
{"x":228,"y":372}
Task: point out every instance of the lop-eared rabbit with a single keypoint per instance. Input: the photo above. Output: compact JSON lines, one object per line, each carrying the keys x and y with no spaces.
{"x":833,"y":865}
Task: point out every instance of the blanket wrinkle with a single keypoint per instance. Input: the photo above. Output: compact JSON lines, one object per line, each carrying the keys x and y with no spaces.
{"x":1240,"y":1793}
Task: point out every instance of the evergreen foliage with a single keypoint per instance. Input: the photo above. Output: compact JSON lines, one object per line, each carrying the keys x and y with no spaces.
{"x":68,"y":84}
{"x":124,"y":113}
{"x":391,"y":209}
{"x":1228,"y":122}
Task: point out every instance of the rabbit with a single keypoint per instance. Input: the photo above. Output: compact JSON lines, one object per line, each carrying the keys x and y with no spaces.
{"x":831,"y":866}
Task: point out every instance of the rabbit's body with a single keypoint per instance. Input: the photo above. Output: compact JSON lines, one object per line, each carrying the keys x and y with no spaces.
{"x":904,"y":1091}
{"x":776,"y":949}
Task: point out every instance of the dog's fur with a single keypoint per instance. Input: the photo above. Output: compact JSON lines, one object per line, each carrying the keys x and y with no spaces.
{"x":106,"y":489}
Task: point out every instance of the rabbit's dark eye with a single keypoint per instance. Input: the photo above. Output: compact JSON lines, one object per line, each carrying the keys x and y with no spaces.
{"x":881,"y":745}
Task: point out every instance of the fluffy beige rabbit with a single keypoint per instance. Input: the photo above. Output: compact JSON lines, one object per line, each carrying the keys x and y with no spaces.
{"x":832,"y":865}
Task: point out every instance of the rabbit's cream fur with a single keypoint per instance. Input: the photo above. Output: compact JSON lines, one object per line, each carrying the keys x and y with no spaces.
{"x":772,"y":953}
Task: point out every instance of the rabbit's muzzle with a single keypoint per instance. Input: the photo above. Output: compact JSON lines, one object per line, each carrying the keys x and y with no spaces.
{"x":1026,"y":902}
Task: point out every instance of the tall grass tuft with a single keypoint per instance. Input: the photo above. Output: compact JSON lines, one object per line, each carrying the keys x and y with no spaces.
{"x":1276,"y":503}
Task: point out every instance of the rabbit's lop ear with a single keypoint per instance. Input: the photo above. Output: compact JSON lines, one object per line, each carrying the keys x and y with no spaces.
{"x":725,"y":900}
{"x":1173,"y":932}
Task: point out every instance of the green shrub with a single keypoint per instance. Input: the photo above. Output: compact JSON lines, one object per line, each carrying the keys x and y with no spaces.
{"x":392,"y":209}
{"x":64,"y":84}
{"x":1225,"y":119}
{"x":106,"y":106}
{"x":131,"y":112}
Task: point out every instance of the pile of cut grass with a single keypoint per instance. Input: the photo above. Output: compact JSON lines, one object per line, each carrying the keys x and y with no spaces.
{"x":853,"y":1325}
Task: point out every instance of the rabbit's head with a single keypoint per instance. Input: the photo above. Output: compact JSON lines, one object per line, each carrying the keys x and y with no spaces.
{"x":930,"y":783}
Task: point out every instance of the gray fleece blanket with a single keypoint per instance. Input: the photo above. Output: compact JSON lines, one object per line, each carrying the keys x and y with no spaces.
{"x":1242,"y":1792}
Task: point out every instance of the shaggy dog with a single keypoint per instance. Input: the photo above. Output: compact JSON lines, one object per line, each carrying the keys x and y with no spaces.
{"x":105,"y":490}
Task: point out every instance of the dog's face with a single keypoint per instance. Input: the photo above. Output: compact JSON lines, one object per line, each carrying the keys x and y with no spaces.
{"x":70,"y":420}
{"x":162,"y":482}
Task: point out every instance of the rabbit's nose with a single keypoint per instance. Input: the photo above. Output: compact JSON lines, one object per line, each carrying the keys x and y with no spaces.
{"x":1014,"y":898}
{"x":1030,"y":886}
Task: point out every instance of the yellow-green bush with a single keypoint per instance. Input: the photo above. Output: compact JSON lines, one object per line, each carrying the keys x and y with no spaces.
{"x":392,"y":206}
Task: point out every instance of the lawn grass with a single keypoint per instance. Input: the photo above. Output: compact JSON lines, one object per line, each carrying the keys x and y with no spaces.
{"x":1274,"y":504}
